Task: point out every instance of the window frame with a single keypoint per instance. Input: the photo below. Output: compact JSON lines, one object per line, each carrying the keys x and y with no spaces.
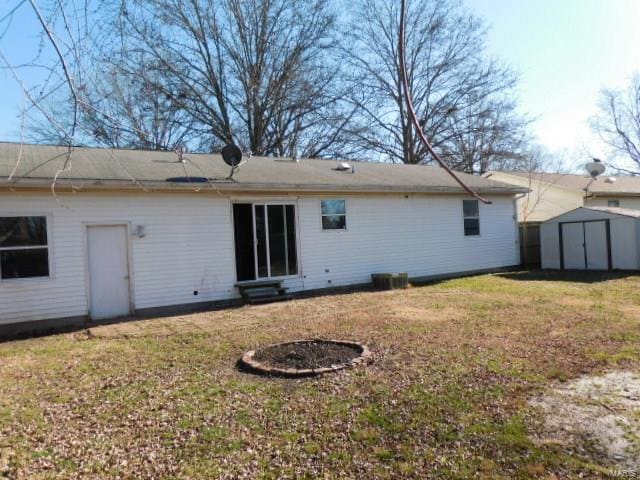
{"x":471,"y":217}
{"x":48,"y":246}
{"x":322,"y":215}
{"x":616,"y":201}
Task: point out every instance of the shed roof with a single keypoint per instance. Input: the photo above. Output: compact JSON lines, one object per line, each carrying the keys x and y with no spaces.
{"x":626,"y":212}
{"x":596,"y":213}
{"x":92,"y":168}
{"x":621,"y":186}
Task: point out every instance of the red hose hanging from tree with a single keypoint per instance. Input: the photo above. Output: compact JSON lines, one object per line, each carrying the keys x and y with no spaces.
{"x":412,"y":111}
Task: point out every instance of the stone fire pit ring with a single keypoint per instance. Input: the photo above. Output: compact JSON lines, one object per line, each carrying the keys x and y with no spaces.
{"x":261,"y":361}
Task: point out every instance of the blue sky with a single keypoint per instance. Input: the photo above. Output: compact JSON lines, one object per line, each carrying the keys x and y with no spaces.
{"x":564,"y":50}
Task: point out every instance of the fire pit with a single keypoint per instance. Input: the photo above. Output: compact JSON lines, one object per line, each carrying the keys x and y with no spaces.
{"x":305,"y":358}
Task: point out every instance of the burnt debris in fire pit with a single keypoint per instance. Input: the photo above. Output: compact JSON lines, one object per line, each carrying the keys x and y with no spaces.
{"x":305,"y":357}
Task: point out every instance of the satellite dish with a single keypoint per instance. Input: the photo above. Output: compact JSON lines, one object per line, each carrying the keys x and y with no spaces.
{"x":595,"y":168}
{"x":232,"y":155}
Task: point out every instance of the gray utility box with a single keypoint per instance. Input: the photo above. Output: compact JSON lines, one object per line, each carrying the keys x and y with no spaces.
{"x":390,"y":281}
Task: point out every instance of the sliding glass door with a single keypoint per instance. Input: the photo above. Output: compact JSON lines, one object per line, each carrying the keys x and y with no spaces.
{"x":268,"y":238}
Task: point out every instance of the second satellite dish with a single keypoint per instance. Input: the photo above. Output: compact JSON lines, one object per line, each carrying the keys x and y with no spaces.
{"x":595,"y":168}
{"x":232,"y":155}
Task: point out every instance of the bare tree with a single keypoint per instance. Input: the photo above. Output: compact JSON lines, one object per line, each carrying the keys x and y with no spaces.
{"x":255,"y":72}
{"x":618,"y":122}
{"x":268,"y":75}
{"x":60,"y":78}
{"x":63,"y":34}
{"x":486,"y":135}
{"x":161,"y":73}
{"x":458,"y":94}
{"x":120,"y":109}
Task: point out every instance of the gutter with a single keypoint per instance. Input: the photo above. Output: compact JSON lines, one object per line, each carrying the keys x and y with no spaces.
{"x":77,"y":185}
{"x":613,"y":194}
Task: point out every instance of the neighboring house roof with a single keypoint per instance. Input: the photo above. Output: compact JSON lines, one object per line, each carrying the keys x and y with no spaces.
{"x":92,"y":168}
{"x":621,"y":186}
{"x":552,"y":194}
{"x":545,"y":200}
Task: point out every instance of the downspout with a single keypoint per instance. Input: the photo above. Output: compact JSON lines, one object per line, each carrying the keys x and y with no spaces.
{"x":521,"y":247}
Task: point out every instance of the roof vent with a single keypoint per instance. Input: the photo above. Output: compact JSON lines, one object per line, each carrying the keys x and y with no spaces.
{"x":343,"y":167}
{"x":610,"y":180}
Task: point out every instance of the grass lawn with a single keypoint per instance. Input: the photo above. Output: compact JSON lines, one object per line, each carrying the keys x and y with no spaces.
{"x":446,"y":396}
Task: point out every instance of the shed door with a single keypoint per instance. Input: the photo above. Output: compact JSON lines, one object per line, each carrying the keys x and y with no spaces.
{"x":108,"y":272}
{"x":595,"y":234}
{"x":573,"y":246}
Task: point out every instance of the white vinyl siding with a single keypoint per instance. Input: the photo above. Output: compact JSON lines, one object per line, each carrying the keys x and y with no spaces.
{"x":420,"y":235}
{"x":188,"y":245}
{"x":187,"y":248}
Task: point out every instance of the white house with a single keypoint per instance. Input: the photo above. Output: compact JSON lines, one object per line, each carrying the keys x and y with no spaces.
{"x":592,"y":238}
{"x":131,"y":231}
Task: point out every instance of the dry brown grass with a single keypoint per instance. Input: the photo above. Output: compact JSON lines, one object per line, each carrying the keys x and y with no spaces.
{"x":446,"y":397}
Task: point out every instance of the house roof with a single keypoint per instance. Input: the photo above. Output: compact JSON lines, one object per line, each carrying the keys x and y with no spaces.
{"x":621,"y":186}
{"x":93,"y":168}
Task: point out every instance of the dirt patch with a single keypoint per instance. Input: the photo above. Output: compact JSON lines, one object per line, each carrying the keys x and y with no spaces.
{"x":602,"y":412}
{"x":307,"y":354}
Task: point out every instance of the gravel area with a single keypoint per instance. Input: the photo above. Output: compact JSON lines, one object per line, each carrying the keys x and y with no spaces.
{"x":600,"y":411}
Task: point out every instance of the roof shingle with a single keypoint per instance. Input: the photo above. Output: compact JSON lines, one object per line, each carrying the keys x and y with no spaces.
{"x":621,"y":185}
{"x":111,"y":168}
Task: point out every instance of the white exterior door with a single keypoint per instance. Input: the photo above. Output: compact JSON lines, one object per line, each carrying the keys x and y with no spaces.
{"x":573,"y":246}
{"x":595,"y":234}
{"x":108,"y":272}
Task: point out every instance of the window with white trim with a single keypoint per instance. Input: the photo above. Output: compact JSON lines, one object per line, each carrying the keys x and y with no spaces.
{"x":613,"y":203}
{"x":471,"y":214}
{"x":24,"y":250}
{"x":334,"y":214}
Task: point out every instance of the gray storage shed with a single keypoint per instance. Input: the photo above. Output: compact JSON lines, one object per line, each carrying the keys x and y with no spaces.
{"x":592,"y":238}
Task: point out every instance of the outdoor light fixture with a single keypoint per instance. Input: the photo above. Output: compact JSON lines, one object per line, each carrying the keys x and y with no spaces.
{"x":139,"y":231}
